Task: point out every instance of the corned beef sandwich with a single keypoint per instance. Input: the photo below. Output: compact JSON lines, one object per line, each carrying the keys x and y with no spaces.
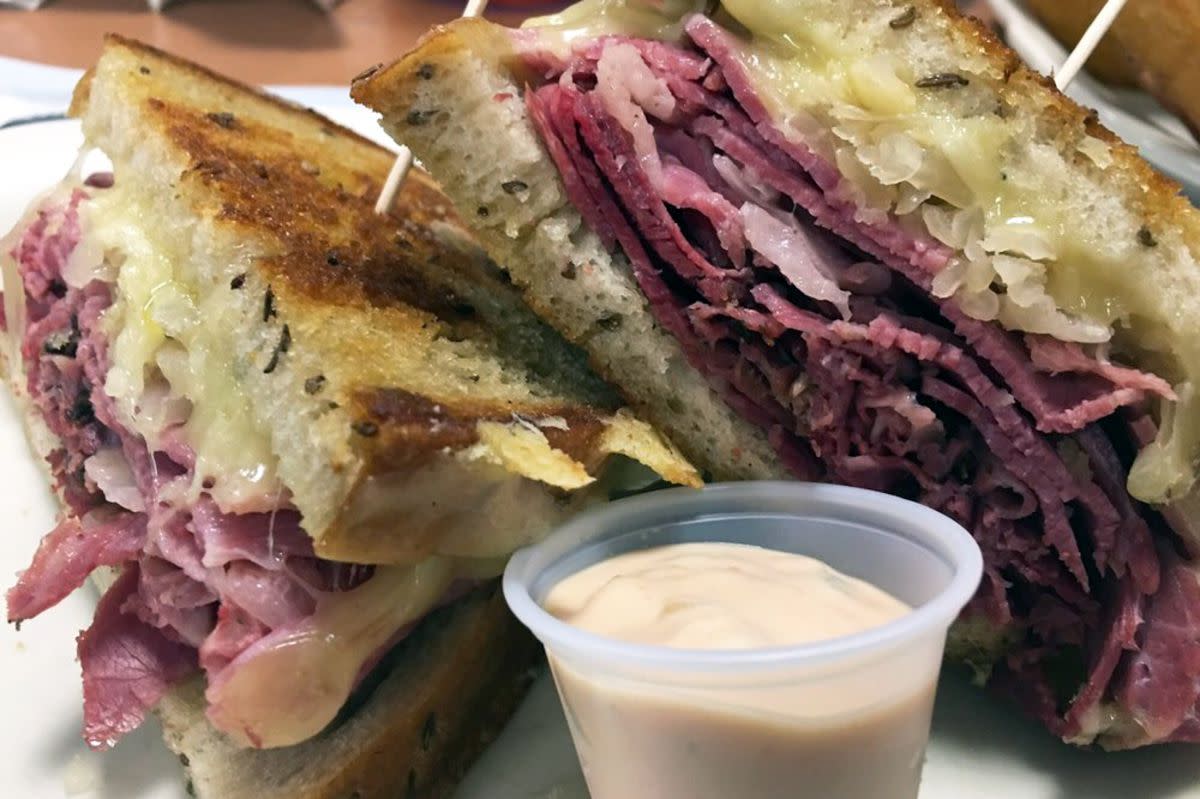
{"x":306,"y":437}
{"x":857,"y":241}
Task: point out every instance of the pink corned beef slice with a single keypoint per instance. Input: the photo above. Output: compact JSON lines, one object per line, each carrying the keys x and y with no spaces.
{"x":197,"y":587}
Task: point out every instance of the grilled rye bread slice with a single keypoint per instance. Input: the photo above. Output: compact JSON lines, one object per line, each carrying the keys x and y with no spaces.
{"x":456,"y":101}
{"x":371,"y":352}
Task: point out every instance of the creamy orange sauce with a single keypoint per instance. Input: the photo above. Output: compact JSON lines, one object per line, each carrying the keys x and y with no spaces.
{"x":840,"y":733}
{"x":719,"y":596}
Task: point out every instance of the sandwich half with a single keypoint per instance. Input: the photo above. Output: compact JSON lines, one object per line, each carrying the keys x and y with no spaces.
{"x":858,"y":241}
{"x":305,"y":435}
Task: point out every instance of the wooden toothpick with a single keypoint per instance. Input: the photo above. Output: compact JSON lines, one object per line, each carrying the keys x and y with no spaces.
{"x":395,"y":179}
{"x":475,"y":8}
{"x":1088,"y":43}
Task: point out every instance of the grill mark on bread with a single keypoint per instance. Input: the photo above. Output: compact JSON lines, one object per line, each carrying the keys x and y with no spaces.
{"x":437,"y":425}
{"x":312,"y":210}
{"x":414,"y":417}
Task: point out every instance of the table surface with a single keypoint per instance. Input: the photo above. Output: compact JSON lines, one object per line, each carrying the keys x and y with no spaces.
{"x":259,"y":41}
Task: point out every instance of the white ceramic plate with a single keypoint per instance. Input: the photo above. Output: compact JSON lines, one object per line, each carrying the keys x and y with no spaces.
{"x":1133,"y":115}
{"x":980,"y":749}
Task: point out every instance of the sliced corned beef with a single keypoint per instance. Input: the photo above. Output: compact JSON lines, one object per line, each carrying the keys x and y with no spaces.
{"x":42,"y":252}
{"x":195,"y":580}
{"x":1133,"y":547}
{"x":69,"y":553}
{"x":128,"y":666}
{"x":56,"y":348}
{"x":1118,"y":636}
{"x":1161,"y":684}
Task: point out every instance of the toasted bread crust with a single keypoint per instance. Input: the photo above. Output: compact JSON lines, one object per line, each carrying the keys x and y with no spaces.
{"x":192,"y":71}
{"x":413,"y":428}
{"x":1154,"y":194}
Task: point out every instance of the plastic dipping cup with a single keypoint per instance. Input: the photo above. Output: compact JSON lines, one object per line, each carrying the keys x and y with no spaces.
{"x":845,"y":718}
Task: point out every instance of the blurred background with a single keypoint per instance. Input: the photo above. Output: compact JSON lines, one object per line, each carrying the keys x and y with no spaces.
{"x":1144,"y":79}
{"x":260,"y":41}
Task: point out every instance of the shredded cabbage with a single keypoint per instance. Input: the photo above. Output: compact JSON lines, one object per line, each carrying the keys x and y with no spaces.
{"x":87,"y":262}
{"x":896,"y":158}
{"x":951,"y":226}
{"x":947,"y":281}
{"x":997,"y":277}
{"x":110,"y":471}
{"x":1019,"y":239}
{"x":868,"y":195}
{"x":1024,"y":280}
{"x":1043,"y":316}
{"x":984,"y":305}
{"x":800,"y":125}
{"x":745,"y":181}
{"x":910,"y":199}
{"x":1163,"y":471}
{"x":801,"y":259}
